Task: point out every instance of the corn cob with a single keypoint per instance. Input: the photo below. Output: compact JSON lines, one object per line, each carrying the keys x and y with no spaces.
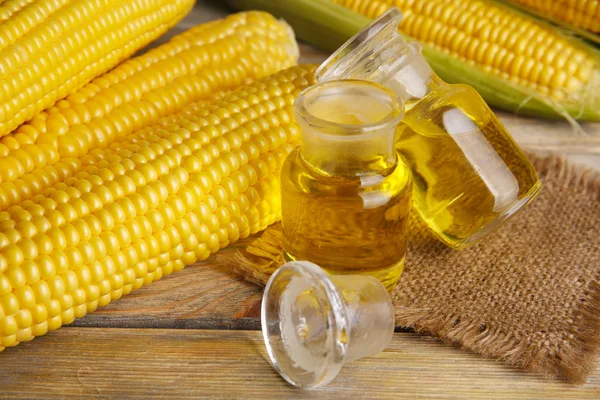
{"x":583,"y":14}
{"x":147,"y":206}
{"x":515,"y":62}
{"x":50,"y":48}
{"x":213,"y":57}
{"x":493,"y":39}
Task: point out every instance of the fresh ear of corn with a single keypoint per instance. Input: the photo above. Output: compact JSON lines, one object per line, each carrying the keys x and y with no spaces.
{"x":213,"y":57}
{"x":515,"y":62}
{"x":581,"y":15}
{"x":50,"y":48}
{"x":147,"y":206}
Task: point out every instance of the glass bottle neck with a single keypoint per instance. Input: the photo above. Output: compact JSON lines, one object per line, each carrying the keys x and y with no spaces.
{"x":348,"y":127}
{"x":434,"y":84}
{"x":380,"y":54}
{"x":409,"y":76}
{"x":369,"y":154}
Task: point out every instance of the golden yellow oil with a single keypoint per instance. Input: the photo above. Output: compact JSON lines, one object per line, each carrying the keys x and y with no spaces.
{"x":346,"y":225}
{"x":346,"y":195}
{"x":348,"y":109}
{"x":469,"y":174}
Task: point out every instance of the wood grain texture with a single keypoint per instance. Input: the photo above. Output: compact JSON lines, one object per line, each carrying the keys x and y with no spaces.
{"x":205,"y":295}
{"x":162,"y":363}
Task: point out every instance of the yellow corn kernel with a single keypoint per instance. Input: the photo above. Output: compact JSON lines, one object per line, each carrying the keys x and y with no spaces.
{"x":579,"y":13}
{"x":50,"y":48}
{"x":137,"y":93}
{"x":134,"y":214}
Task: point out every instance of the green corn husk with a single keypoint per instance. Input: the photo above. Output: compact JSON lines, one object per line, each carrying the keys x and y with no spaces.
{"x":328,"y":25}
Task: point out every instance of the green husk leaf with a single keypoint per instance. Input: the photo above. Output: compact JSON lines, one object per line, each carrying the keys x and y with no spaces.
{"x":328,"y":25}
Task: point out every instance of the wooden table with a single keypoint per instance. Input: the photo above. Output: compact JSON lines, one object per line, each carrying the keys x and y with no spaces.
{"x":196,"y":333}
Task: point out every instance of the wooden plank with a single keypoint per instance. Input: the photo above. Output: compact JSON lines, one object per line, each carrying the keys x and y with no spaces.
{"x":161,"y":363}
{"x":205,"y":295}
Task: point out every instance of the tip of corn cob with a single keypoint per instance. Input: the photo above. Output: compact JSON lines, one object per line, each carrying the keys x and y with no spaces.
{"x":292,"y":46}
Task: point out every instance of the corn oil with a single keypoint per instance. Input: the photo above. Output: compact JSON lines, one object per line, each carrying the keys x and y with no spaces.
{"x":345,"y":192}
{"x":469,"y":174}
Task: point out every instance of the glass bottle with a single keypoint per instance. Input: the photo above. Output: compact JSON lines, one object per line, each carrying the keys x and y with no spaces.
{"x":345,"y":192}
{"x":469,"y":174}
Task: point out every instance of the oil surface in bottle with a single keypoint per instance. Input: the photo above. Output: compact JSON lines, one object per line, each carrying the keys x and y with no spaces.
{"x":469,"y":174}
{"x":347,"y":211}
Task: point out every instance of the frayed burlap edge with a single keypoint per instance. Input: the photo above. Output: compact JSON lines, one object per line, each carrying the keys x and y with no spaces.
{"x":578,"y":360}
{"x":574,"y":362}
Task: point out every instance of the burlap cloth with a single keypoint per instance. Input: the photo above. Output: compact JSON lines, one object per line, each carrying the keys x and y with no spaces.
{"x":528,"y":294}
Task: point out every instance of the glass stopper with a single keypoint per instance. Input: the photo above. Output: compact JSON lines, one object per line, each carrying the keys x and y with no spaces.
{"x":313,"y":323}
